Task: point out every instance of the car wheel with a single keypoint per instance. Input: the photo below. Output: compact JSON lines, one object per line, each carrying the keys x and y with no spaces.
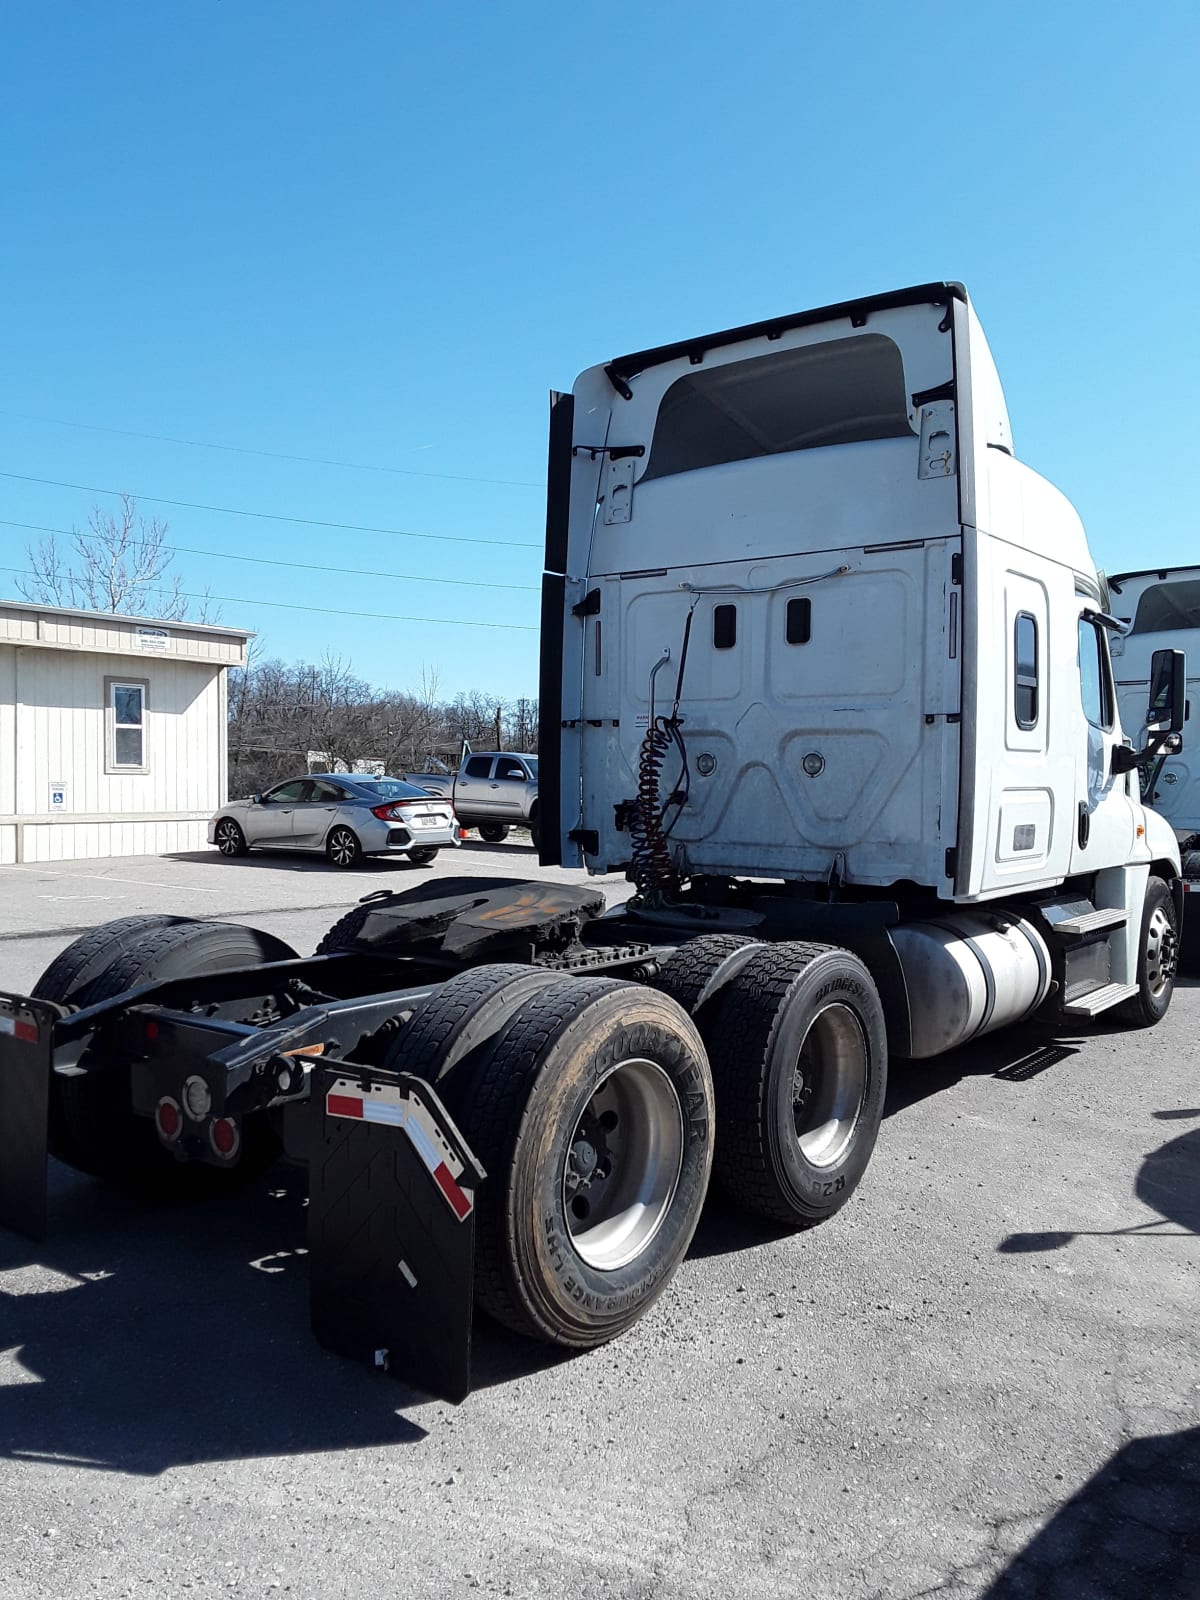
{"x":423,"y":854}
{"x":342,"y":848}
{"x":493,"y":832}
{"x":230,"y":839}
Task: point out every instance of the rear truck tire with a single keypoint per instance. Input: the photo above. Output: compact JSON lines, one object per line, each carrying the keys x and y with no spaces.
{"x":535,"y":830}
{"x":798,"y":1047}
{"x":86,"y":957}
{"x":493,"y":832}
{"x":698,"y":970}
{"x":230,"y":839}
{"x":93,"y":1126}
{"x":445,"y":1039}
{"x":423,"y":854}
{"x":592,"y":1116}
{"x":1158,"y":956}
{"x":345,"y":931}
{"x":342,"y":848}
{"x":1189,"y":863}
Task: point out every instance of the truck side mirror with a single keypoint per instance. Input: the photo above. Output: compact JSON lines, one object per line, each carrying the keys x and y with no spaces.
{"x":1168,"y":691}
{"x":1165,"y":715}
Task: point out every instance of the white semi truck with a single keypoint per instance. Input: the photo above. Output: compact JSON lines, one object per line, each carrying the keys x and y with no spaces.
{"x":827,"y":670}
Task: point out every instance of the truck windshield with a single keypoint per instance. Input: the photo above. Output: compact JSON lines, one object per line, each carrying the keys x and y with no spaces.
{"x":1166,"y":607}
{"x":843,"y":391}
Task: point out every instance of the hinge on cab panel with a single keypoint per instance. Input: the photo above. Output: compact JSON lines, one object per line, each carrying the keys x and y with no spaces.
{"x":589,"y":606}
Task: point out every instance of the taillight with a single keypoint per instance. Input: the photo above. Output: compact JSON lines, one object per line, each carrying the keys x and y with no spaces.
{"x":224,"y":1136}
{"x":393,"y":811}
{"x":168,"y":1119}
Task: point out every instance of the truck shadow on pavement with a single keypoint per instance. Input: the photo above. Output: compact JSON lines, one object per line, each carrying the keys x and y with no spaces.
{"x":154,"y":1338}
{"x":1132,"y":1530}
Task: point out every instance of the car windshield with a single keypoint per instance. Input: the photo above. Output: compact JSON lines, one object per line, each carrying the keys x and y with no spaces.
{"x":389,"y":789}
{"x":531,"y":763}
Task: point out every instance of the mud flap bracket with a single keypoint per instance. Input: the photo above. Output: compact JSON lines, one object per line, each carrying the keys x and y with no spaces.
{"x":391,"y":1225}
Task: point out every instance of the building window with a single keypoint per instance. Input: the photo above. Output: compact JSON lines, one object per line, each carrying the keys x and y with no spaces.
{"x":1025,"y":670}
{"x":127,"y":724}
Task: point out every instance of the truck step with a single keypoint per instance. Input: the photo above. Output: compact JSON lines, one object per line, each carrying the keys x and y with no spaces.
{"x":1095,"y":1001}
{"x":1092,"y":922}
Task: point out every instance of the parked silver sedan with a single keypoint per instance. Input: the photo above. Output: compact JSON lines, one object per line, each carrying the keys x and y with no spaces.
{"x":346,"y":815}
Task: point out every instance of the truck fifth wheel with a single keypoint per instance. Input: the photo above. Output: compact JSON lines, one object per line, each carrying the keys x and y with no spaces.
{"x":826,"y":671}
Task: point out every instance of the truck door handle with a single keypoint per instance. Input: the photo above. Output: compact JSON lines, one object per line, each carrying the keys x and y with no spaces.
{"x":495,"y":785}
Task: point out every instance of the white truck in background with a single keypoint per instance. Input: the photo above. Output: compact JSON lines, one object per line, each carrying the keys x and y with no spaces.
{"x":1161,"y":609}
{"x":827,"y":670}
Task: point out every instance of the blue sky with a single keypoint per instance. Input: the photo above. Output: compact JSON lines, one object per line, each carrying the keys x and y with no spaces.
{"x":380,"y":233}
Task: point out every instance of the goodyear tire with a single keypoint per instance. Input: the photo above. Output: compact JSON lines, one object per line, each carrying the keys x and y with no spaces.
{"x":697,"y":972}
{"x":1158,"y":955}
{"x":592,"y":1116}
{"x":93,"y":1128}
{"x":799,"y":1056}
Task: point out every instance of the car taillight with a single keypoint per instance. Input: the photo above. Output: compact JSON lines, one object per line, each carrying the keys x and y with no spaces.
{"x":393,"y":811}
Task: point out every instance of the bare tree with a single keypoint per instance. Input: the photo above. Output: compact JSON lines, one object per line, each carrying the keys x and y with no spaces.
{"x":120,"y":564}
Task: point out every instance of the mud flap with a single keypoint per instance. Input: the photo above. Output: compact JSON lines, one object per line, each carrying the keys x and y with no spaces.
{"x":26,"y":1052}
{"x":391,"y":1226}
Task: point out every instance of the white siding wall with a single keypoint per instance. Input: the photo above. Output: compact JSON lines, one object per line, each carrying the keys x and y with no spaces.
{"x":54,"y":728}
{"x":8,"y":754}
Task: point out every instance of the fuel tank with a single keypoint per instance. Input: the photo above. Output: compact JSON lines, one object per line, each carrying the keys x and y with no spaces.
{"x":968,"y":973}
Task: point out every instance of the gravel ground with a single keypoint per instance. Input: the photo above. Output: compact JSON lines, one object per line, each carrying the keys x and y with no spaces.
{"x":980,"y":1379}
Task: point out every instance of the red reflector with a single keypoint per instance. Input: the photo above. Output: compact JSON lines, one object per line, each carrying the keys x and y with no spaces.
{"x":343,"y":1105}
{"x":152,"y":1030}
{"x":168,"y":1118}
{"x":26,"y":1031}
{"x":223,"y":1136}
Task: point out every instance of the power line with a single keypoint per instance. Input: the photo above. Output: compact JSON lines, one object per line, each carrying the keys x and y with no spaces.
{"x":275,"y":516}
{"x":271,"y":561}
{"x":283,"y":605}
{"x":278,"y":455}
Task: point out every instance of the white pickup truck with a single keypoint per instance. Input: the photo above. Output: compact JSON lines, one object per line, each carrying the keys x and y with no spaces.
{"x":493,"y":790}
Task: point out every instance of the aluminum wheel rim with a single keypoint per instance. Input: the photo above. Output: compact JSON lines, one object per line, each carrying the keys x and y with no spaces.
{"x":1160,"y":951}
{"x":227,"y":838}
{"x":829,"y":1085}
{"x":622,"y":1164}
{"x":341,"y":848}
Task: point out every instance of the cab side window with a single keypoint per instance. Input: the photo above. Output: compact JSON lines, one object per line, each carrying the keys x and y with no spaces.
{"x":479,"y":767}
{"x":512,"y":770}
{"x":1094,"y":676}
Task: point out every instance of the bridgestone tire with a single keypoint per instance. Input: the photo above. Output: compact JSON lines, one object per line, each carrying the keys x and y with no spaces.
{"x":795,"y":1134}
{"x":493,"y":832}
{"x":1155,"y":978}
{"x":696,"y":973}
{"x":445,"y":1040}
{"x":423,"y":854}
{"x":524,"y":1121}
{"x":93,"y":1127}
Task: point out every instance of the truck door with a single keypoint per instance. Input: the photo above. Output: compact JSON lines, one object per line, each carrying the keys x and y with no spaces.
{"x":508,"y":787}
{"x":474,"y":791}
{"x":1104,"y":813}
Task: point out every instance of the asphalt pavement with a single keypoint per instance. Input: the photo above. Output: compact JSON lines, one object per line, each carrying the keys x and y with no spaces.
{"x":981,"y":1379}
